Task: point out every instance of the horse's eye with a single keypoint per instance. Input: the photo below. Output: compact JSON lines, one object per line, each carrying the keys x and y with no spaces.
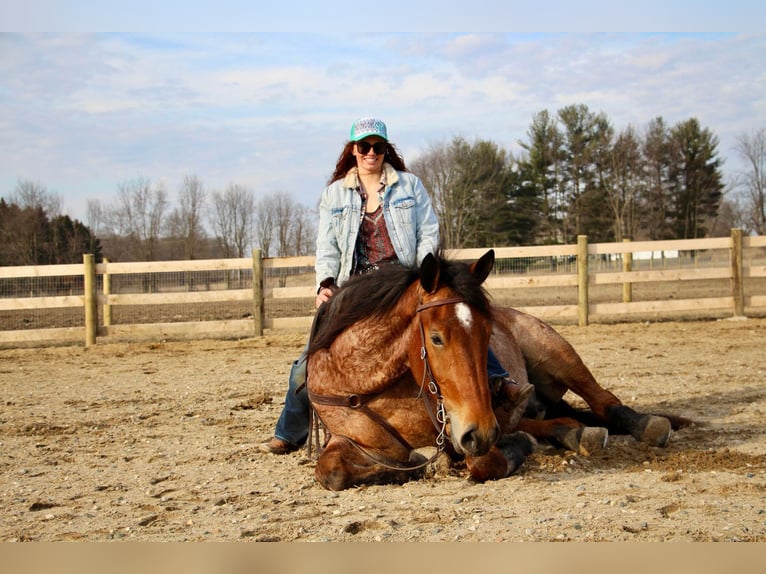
{"x":436,"y":340}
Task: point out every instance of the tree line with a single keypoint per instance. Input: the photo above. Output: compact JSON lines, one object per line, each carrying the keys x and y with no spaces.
{"x":575,"y":175}
{"x":34,"y":232}
{"x":141,"y":224}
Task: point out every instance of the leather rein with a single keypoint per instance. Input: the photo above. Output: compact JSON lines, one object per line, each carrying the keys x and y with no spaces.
{"x":359,"y":402}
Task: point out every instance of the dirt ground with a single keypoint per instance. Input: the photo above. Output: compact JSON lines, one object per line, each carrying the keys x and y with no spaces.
{"x":157,"y":442}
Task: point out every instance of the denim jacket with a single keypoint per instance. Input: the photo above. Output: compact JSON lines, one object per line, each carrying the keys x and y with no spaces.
{"x":407,"y":210}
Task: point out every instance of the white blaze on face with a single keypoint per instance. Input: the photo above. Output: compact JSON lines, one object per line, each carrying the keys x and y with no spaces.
{"x":463,"y":313}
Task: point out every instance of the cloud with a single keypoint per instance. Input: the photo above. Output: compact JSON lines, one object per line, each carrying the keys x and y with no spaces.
{"x":81,"y":112}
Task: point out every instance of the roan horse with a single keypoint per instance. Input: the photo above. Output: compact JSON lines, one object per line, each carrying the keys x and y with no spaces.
{"x":397,"y":362}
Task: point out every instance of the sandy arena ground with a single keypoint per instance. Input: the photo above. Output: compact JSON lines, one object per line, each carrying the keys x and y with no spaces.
{"x":157,"y":442}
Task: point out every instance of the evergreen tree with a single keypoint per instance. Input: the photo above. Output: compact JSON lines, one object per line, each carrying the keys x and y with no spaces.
{"x":695,"y":179}
{"x":538,"y":177}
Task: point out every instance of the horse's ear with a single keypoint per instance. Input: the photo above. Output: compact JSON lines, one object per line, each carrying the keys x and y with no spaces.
{"x":483,"y":266}
{"x":429,"y":273}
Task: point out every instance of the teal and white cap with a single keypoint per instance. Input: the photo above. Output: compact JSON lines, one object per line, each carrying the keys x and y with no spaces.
{"x":366,"y":127}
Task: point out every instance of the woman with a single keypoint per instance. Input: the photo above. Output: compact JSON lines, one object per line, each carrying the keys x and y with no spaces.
{"x":373,"y":212}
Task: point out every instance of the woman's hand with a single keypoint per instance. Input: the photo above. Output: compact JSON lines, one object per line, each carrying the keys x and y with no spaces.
{"x":324,"y":295}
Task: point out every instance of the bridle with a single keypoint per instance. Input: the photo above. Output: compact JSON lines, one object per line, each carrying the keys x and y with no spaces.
{"x":359,"y":402}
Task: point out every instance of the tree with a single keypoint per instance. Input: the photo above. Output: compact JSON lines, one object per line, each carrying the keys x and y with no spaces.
{"x":265,"y":224}
{"x":138,"y":216}
{"x":622,"y":180}
{"x":282,"y":220}
{"x":30,"y":238}
{"x":583,"y":134}
{"x":185,"y":222}
{"x":95,"y":216}
{"x":284,"y":212}
{"x":303,"y":231}
{"x":70,"y":239}
{"x":469,"y":186}
{"x":34,"y":194}
{"x":232,"y":219}
{"x":695,"y":179}
{"x":751,"y":148}
{"x":485,"y":173}
{"x":597,"y":220}
{"x":438,"y":169}
{"x":538,"y":176}
{"x":654,"y":202}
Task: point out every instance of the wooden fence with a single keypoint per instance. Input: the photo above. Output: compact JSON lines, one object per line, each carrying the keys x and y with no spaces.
{"x":582,"y":283}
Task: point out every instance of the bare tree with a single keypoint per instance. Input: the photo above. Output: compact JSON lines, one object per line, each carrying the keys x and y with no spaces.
{"x":303,"y":231}
{"x":36,"y":195}
{"x":95,"y":216}
{"x":281,"y":220}
{"x":185,"y":222}
{"x":284,"y":209}
{"x":138,"y":216}
{"x":752,"y":149}
{"x":265,"y":220}
{"x":454,"y":204}
{"x":290,"y":224}
{"x":232,"y":219}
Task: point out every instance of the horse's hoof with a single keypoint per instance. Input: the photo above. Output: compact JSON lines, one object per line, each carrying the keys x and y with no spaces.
{"x":592,"y":440}
{"x":584,"y":440}
{"x":656,"y":431}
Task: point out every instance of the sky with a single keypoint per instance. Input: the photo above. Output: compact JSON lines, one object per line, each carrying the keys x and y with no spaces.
{"x":263,"y":94}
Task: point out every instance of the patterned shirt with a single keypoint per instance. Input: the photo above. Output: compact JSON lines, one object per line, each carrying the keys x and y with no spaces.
{"x":373,"y":245}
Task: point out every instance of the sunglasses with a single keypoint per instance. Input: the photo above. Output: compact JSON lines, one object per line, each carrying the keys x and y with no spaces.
{"x":364,"y":147}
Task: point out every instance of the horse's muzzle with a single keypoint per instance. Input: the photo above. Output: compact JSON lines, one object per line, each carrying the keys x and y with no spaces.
{"x":475,"y":442}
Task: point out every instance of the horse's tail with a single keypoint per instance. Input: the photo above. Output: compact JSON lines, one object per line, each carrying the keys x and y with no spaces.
{"x":677,"y":422}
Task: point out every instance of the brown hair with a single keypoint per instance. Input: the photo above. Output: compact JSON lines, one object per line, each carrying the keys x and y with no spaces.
{"x":346,"y":161}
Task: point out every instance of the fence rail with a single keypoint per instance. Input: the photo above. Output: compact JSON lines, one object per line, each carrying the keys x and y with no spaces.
{"x":582,"y":283}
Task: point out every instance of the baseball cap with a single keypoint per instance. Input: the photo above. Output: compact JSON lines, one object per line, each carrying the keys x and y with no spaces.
{"x":366,"y":127}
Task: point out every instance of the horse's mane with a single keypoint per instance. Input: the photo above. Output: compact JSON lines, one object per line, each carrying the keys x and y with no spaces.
{"x":375,"y":295}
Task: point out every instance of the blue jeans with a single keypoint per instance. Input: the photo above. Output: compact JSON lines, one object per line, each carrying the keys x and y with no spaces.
{"x":293,"y":423}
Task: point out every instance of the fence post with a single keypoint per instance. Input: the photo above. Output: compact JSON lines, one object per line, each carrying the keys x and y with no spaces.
{"x":737,"y":286}
{"x":582,"y":280}
{"x":627,"y":267}
{"x":89,"y":292}
{"x":107,"y":291}
{"x":257,"y":293}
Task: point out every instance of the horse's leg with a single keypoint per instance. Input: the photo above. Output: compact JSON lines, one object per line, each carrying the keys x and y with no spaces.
{"x":551,"y":358}
{"x":341,"y":466}
{"x":503,"y":459}
{"x":647,"y":428}
{"x":568,"y":432}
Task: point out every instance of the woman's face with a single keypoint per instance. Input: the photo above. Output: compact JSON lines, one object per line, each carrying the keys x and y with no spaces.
{"x":367,"y":157}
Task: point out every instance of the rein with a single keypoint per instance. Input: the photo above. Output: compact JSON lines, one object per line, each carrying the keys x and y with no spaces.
{"x":359,"y":402}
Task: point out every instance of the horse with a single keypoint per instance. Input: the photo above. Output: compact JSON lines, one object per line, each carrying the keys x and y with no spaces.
{"x":397,"y":362}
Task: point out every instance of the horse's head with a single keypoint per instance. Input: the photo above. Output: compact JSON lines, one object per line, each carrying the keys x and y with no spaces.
{"x":455,"y":322}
